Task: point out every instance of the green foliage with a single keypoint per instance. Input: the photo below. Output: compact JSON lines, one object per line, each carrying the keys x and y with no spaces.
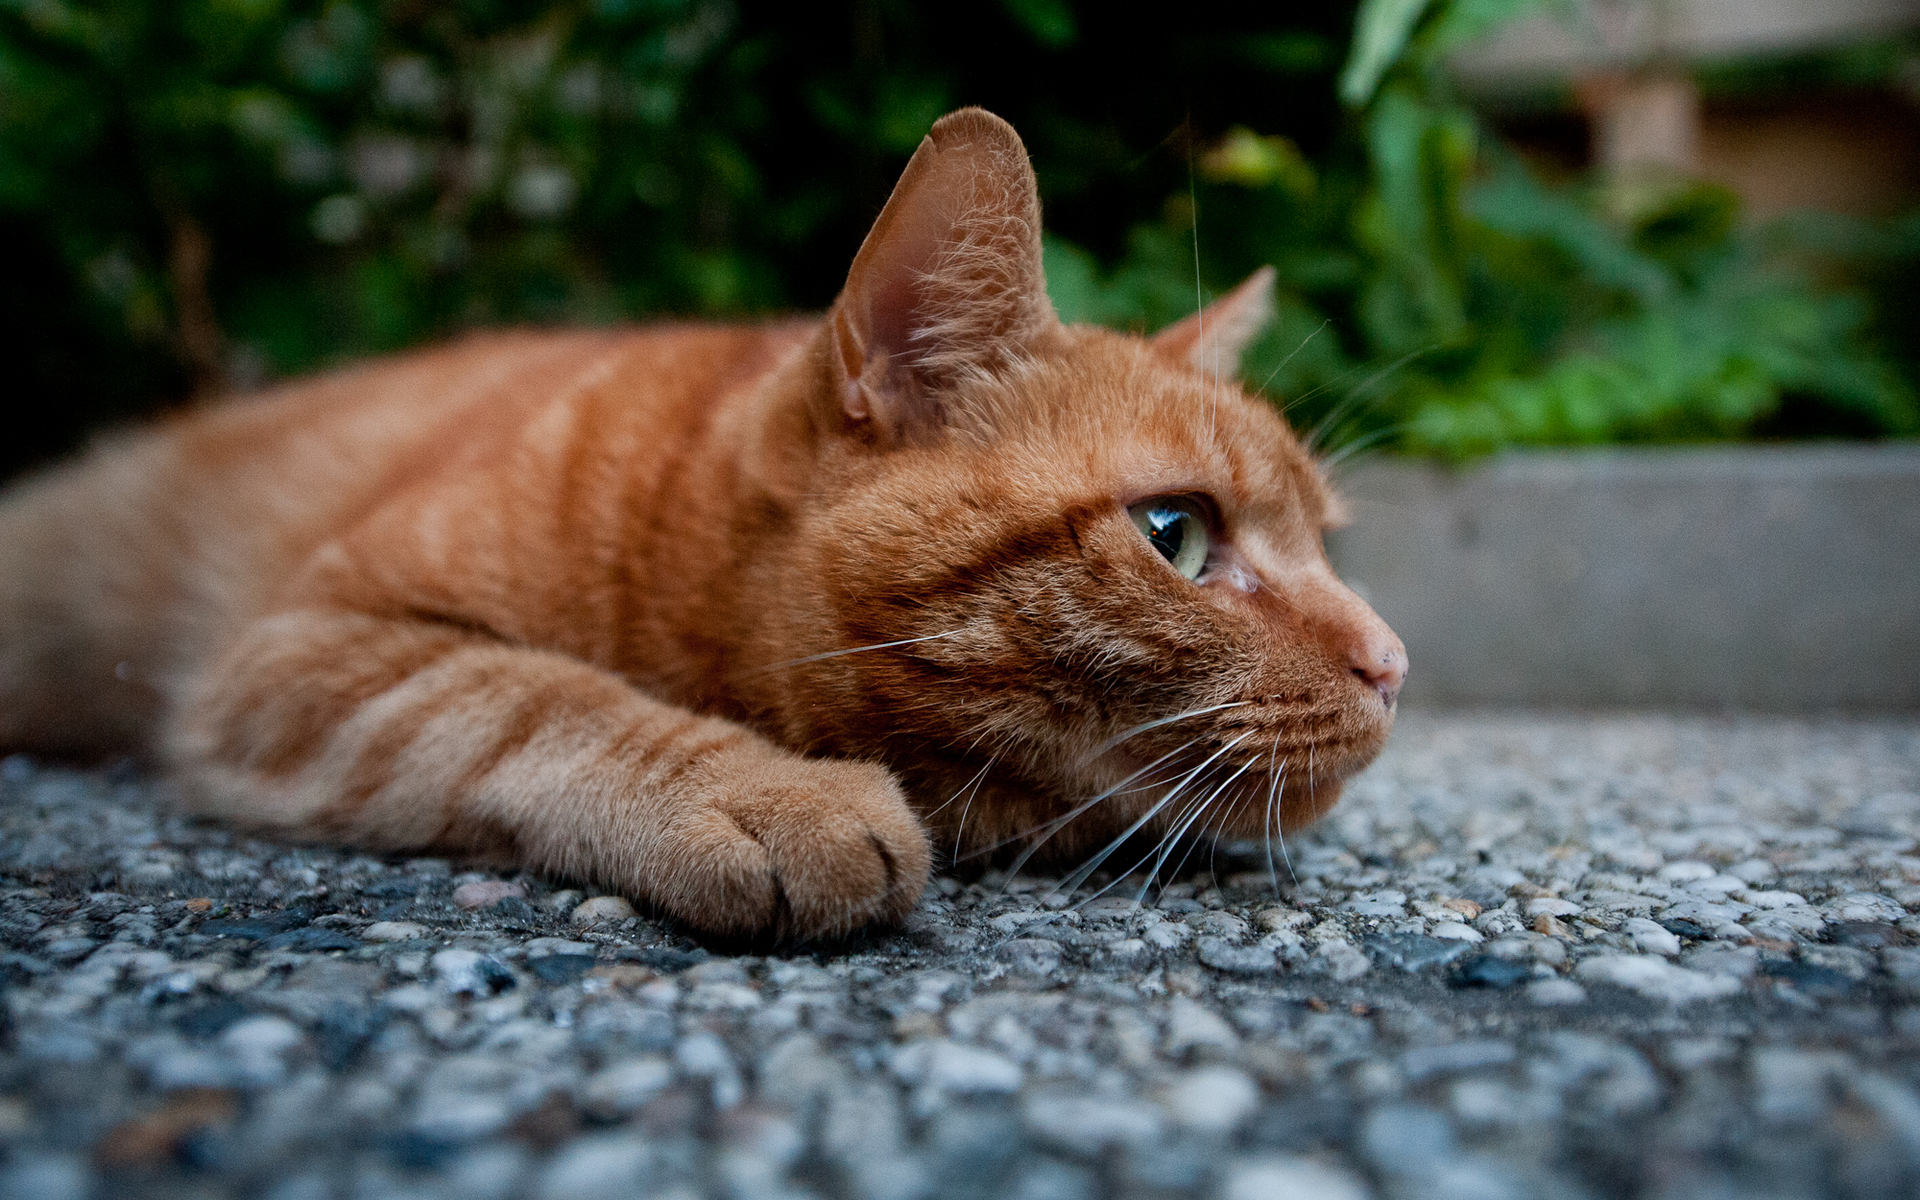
{"x":204,"y":193}
{"x":201,"y":193}
{"x":1436,"y":296}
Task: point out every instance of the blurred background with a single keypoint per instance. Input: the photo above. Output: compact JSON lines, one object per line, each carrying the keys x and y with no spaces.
{"x":1496,"y":222}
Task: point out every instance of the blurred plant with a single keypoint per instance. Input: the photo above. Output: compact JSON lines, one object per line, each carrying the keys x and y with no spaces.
{"x":1436,"y":296}
{"x":207,"y":193}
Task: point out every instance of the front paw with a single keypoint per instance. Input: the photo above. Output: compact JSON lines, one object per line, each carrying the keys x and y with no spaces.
{"x":802,"y":848}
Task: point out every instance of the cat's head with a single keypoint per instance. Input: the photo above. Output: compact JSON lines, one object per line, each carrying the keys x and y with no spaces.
{"x":1090,"y":565}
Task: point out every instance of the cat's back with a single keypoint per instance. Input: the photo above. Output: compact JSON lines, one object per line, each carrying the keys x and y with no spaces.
{"x":121,"y":570}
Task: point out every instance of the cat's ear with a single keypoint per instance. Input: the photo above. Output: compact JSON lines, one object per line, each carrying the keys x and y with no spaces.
{"x":948,"y":281}
{"x":1213,"y":339}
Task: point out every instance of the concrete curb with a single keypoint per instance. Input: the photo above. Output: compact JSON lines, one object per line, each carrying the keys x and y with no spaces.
{"x":1774,"y":578}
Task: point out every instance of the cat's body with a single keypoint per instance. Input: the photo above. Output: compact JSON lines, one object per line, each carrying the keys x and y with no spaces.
{"x":602,"y":602}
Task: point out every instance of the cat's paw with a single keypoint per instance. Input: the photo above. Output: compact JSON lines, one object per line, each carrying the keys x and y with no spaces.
{"x":805,"y":848}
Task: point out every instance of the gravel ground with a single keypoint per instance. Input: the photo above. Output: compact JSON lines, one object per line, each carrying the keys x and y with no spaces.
{"x":1554,"y":956}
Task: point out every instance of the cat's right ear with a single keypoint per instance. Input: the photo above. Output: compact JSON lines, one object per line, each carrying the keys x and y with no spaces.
{"x":948,"y":282}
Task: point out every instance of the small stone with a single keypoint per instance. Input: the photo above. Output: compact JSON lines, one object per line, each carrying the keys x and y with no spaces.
{"x":1087,"y":1125}
{"x":1752,"y":871}
{"x":1031,"y":956}
{"x":1191,"y":1024}
{"x":1488,"y":971}
{"x":1342,"y":959}
{"x":1449,"y":1058}
{"x":1796,"y":1086}
{"x":1288,"y":1177}
{"x":1739,"y":962}
{"x":1386,"y":903}
{"x":1686,"y":871}
{"x":541,"y":946}
{"x":608,"y":1164}
{"x":1224,"y":956}
{"x":617,"y":1090}
{"x":1275,"y":918}
{"x":471,"y":973}
{"x":485,"y":892}
{"x":394,"y":931}
{"x":949,"y":1067}
{"x":1656,"y":978}
{"x":1547,"y":925}
{"x":1458,"y":931}
{"x":561,"y":968}
{"x":602,"y":910}
{"x":1461,"y":905}
{"x":1549,"y":992}
{"x":1406,"y":1139}
{"x":1417,"y":952}
{"x":1167,"y":935}
{"x":1551,"y":906}
{"x":1212,"y":1100}
{"x":1863,"y":906}
{"x":1651,"y":936}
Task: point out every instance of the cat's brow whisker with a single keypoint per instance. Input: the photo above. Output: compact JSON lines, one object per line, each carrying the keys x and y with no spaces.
{"x":812,"y":658}
{"x":1289,"y":358}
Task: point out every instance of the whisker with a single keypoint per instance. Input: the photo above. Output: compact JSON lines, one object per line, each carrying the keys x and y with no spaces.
{"x":1172,"y":841}
{"x":1058,"y":823}
{"x":811,"y":658}
{"x":1268,"y":820}
{"x":1054,"y":825}
{"x":961,"y":829}
{"x":1086,"y":869}
{"x":1289,"y":358}
{"x":1137,"y":730}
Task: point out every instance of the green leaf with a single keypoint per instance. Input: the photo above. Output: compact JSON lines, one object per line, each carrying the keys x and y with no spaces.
{"x":1380,"y":35}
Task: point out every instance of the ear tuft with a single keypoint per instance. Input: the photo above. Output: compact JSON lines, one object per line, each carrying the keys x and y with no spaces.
{"x":947,"y":282}
{"x":1213,"y":339}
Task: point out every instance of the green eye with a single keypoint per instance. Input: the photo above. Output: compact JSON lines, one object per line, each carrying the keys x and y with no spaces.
{"x":1177,"y":528}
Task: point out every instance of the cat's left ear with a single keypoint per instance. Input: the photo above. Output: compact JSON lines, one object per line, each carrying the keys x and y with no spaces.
{"x":948,"y":282}
{"x":1213,"y":339}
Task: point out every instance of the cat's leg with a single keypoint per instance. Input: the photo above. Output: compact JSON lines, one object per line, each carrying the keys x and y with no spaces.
{"x":405,"y":734}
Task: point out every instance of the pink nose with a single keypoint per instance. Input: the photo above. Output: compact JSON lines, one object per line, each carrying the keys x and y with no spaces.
{"x":1379,"y":660}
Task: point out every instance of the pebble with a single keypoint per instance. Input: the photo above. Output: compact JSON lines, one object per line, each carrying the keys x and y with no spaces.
{"x":1651,"y":937}
{"x":482,"y":893}
{"x":1087,"y":1125}
{"x":621,"y":1087}
{"x":1656,"y":978}
{"x":948,"y":1067}
{"x":602,"y":910}
{"x":1211,"y":1100}
{"x":1289,"y":1177}
{"x":469,"y":972}
{"x":1716,"y":889}
{"x":607,"y":1164}
{"x":1222,"y":955}
{"x":393,"y":931}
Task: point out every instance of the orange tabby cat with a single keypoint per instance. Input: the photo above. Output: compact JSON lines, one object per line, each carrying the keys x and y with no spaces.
{"x":750,"y":623}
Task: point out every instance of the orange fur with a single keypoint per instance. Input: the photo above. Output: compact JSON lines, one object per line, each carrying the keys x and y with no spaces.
{"x":599,"y":602}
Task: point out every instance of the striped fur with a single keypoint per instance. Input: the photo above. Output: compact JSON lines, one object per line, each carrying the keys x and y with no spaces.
{"x":602,"y":603}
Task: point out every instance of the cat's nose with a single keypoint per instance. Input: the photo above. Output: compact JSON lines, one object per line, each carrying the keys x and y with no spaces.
{"x":1378,"y":658}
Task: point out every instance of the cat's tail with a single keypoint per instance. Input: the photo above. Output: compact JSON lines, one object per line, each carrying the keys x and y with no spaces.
{"x":86,"y":594}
